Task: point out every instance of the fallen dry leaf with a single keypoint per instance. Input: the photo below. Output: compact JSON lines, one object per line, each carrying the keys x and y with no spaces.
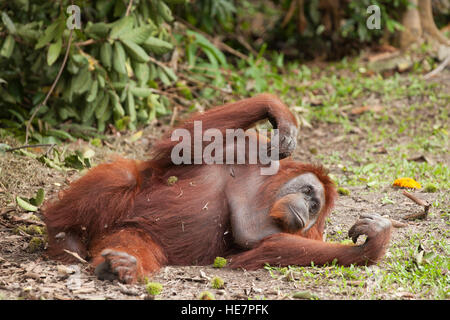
{"x":360,"y":110}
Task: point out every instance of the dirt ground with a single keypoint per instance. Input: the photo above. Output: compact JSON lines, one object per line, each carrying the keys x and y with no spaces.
{"x":29,"y":275}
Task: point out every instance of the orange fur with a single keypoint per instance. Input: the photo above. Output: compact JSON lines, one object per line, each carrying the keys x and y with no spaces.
{"x":134,"y":242}
{"x":129,"y":206}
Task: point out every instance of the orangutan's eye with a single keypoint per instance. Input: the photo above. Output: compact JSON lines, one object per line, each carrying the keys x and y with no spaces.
{"x":308,"y":190}
{"x":314,"y":206}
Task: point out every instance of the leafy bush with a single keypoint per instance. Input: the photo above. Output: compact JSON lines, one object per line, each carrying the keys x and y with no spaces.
{"x":356,"y":13}
{"x":112,"y":74}
{"x":209,"y":15}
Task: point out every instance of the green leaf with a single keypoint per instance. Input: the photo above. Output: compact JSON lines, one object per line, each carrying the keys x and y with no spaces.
{"x":88,"y":111}
{"x":98,"y":30}
{"x":206,"y":44}
{"x":170,"y":73}
{"x":39,"y":198}
{"x":118,"y":109}
{"x":49,"y":163}
{"x":60,"y":134}
{"x":211,"y":57}
{"x":8,"y":23}
{"x":165,"y":11}
{"x":137,"y":35}
{"x":67,"y":112}
{"x":122,"y":26}
{"x":106,"y":53}
{"x":92,"y":92}
{"x":122,"y":123}
{"x":157,"y":46}
{"x":79,"y":59}
{"x":131,"y":107}
{"x":135,"y":51}
{"x":119,"y":59}
{"x":141,"y":92}
{"x":142,"y":72}
{"x":101,"y":80}
{"x":25,"y":205}
{"x":75,"y":161}
{"x":163,"y":77}
{"x":3,"y":148}
{"x":191,"y":50}
{"x":81,"y":82}
{"x":54,"y":51}
{"x":54,"y":31}
{"x":102,"y":106}
{"x":8,"y":47}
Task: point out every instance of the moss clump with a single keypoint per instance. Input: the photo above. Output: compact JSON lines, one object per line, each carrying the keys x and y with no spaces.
{"x":154,"y":288}
{"x":217,"y":283}
{"x":96,"y":142}
{"x":36,"y":244}
{"x":430,"y":188}
{"x":206,"y":295}
{"x":172,"y":180}
{"x":31,"y":230}
{"x":35,"y":230}
{"x":342,"y":191}
{"x":220,"y":262}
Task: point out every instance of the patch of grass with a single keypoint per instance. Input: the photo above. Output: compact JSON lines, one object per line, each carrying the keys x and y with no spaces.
{"x":383,"y":173}
{"x":402,"y":271}
{"x":426,"y":278}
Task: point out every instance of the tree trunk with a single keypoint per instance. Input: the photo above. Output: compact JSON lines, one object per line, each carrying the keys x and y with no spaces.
{"x":428,"y":25}
{"x":419,"y":24}
{"x":412,"y":27}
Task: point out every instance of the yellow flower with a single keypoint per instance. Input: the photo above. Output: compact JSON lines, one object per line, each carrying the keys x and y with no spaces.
{"x":92,"y":63}
{"x":407,"y":183}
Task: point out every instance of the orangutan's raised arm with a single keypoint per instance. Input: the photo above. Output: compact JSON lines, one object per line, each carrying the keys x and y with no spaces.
{"x":242,"y":114}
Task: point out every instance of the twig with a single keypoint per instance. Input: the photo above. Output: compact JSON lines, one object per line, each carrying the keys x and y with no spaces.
{"x":130,"y":4}
{"x":51,"y":145}
{"x":289,"y":14}
{"x":86,"y":43}
{"x":125,"y":290}
{"x":51,"y":89}
{"x":5,"y":211}
{"x":28,"y":221}
{"x":420,"y":202}
{"x":49,"y":149}
{"x":246,"y":45}
{"x":438,"y":69}
{"x":174,"y":116}
{"x":158,"y":63}
{"x":398,"y":224}
{"x":76,"y":256}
